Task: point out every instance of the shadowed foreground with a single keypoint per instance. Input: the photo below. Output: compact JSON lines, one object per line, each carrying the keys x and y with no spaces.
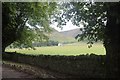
{"x":8,"y":72}
{"x":73,"y":66}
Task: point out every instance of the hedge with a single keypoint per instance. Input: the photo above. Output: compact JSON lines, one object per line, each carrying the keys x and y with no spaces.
{"x":83,"y":65}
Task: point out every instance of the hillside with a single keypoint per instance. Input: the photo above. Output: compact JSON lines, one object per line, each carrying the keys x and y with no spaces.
{"x":71,"y":33}
{"x":65,"y":36}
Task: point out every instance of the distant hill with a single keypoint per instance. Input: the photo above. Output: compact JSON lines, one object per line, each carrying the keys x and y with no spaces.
{"x":71,"y":33}
{"x":65,"y":36}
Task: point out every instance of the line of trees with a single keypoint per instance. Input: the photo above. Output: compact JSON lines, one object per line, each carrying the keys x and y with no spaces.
{"x":36,"y":44}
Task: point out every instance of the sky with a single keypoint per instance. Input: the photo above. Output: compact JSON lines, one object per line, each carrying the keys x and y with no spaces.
{"x":68,"y":26}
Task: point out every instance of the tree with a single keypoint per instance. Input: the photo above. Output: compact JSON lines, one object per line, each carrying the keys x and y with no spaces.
{"x":15,"y":16}
{"x":101,"y":22}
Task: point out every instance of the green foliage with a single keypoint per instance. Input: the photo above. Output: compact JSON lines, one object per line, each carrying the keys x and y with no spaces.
{"x":16,"y":15}
{"x":92,"y":16}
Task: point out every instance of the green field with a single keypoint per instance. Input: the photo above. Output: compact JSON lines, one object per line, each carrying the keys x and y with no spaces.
{"x":74,"y":49}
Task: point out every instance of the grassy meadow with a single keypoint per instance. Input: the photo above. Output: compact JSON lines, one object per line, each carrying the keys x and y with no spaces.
{"x":69,"y":49}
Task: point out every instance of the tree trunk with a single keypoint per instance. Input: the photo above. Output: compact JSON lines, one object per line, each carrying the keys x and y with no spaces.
{"x":7,"y":40}
{"x":5,"y":44}
{"x":112,"y":42}
{"x":3,"y":49}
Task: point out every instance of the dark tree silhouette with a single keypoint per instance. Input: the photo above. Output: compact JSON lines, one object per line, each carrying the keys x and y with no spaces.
{"x":101,"y":22}
{"x":14,"y":19}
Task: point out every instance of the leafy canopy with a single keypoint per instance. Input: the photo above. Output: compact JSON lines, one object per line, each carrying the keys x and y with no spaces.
{"x":17,"y":14}
{"x":92,"y":16}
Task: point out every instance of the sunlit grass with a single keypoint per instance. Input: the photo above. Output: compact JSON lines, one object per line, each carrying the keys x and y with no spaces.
{"x":67,"y":50}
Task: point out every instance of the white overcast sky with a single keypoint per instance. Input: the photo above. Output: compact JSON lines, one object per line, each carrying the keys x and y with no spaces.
{"x":68,"y":26}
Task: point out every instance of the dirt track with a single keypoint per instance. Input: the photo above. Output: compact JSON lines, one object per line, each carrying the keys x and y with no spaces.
{"x":11,"y":73}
